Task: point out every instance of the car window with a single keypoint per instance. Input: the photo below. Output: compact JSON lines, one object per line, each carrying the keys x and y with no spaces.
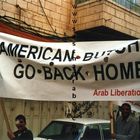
{"x":50,"y":129}
{"x":92,"y":132}
{"x":54,"y":128}
{"x":106,"y":131}
{"x":62,"y":131}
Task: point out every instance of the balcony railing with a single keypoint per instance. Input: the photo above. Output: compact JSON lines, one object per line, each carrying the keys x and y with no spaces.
{"x":129,"y":4}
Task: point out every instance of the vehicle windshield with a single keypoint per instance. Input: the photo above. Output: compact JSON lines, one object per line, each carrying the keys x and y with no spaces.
{"x":58,"y":130}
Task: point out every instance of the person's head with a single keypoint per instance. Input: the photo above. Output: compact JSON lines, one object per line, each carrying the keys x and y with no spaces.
{"x":20,"y":122}
{"x":125,"y":110}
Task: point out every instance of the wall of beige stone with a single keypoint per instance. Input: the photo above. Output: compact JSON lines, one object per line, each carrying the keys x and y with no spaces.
{"x":110,"y":14}
{"x":121,"y":19}
{"x":90,"y":14}
{"x":58,"y":13}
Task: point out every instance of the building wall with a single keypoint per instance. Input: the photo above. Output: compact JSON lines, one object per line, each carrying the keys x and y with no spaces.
{"x":37,"y":13}
{"x":89,"y":15}
{"x":121,"y":19}
{"x":40,"y":14}
{"x":107,"y":13}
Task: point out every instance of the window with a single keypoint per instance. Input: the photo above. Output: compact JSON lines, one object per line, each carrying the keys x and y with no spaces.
{"x":137,"y":2}
{"x":80,"y":1}
{"x":61,"y":131}
{"x":106,"y":131}
{"x":53,"y":129}
{"x":133,"y":5}
{"x":92,"y":132}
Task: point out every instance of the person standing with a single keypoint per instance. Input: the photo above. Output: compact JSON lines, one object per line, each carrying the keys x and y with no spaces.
{"x":22,"y":133}
{"x":127,"y":127}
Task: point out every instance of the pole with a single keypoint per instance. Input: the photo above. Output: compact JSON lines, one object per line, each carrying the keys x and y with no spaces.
{"x":5,"y":114}
{"x":111,"y":116}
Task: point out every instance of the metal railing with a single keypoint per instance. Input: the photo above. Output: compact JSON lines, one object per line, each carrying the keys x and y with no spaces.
{"x":129,"y":4}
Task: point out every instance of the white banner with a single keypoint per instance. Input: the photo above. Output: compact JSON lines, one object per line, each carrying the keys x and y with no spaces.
{"x":84,"y":71}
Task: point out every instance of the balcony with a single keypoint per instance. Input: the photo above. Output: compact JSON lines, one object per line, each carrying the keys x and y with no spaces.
{"x":107,"y":20}
{"x":129,"y":4}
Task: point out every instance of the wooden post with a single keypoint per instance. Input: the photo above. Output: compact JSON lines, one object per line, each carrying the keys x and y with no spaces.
{"x":111,"y":116}
{"x":5,"y":114}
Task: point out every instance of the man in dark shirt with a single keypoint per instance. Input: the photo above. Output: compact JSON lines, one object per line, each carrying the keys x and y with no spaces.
{"x":126,"y":126}
{"x":22,"y":133}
